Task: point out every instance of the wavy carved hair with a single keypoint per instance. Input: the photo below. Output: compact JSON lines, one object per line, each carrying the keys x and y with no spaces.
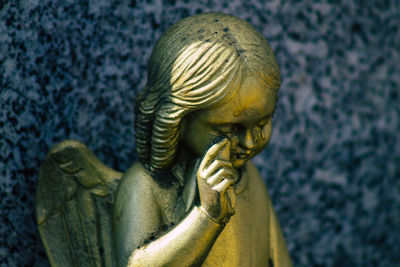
{"x":195,"y":65}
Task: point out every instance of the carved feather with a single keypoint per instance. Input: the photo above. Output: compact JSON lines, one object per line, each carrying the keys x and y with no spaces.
{"x":73,"y":206}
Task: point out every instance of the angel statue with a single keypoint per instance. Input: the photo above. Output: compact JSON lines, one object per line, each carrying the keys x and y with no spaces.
{"x":193,"y":198}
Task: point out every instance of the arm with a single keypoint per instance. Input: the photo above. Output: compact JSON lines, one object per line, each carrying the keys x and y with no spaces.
{"x":137,"y":218}
{"x":187,"y":244}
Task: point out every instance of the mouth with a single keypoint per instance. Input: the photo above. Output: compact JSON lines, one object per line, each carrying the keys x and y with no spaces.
{"x":239,"y":160}
{"x":242,"y":156}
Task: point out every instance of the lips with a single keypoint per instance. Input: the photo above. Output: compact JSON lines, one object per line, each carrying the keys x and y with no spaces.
{"x":242,"y":156}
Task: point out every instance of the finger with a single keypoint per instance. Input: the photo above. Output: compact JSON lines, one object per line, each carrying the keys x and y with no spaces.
{"x":230,"y":204}
{"x":235,"y":176}
{"x":222,"y":186}
{"x":215,"y":166}
{"x":226,"y":172}
{"x":220,"y":175}
{"x":212,"y":153}
{"x":231,"y":194}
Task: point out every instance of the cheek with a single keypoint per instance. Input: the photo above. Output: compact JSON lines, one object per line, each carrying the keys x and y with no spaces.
{"x":197,"y":138}
{"x":267,"y":132}
{"x":262,"y":137}
{"x":203,"y":142}
{"x":234,"y":139}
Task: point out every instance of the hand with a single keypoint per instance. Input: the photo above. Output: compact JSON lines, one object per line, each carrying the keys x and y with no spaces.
{"x":214,"y":176}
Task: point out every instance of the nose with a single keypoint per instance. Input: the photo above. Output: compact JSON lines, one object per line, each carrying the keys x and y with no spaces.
{"x":248,"y":140}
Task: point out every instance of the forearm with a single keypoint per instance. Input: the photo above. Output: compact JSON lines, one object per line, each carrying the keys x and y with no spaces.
{"x":187,"y":244}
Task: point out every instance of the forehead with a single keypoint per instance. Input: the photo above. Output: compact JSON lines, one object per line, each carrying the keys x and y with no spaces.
{"x":250,"y":103}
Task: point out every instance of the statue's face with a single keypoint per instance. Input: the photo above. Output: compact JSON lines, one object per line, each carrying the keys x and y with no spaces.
{"x":245,"y":120}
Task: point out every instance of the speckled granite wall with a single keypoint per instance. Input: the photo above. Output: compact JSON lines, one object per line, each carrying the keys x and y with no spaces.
{"x":71,"y":69}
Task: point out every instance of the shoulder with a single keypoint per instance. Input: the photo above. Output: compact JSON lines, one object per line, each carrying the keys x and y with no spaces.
{"x":255,"y":183}
{"x":253,"y":174}
{"x":251,"y":168}
{"x":136,"y":212}
{"x":137,"y":172}
{"x":135,"y":194}
{"x":136,"y":185}
{"x":136,"y":175}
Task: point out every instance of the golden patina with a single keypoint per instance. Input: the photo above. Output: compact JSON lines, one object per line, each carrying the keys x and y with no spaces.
{"x":194,"y":198}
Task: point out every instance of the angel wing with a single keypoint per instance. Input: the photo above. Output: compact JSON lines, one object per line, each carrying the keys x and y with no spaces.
{"x":73,"y":206}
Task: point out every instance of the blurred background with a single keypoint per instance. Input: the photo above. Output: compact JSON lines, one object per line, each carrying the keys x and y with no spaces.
{"x":71,"y":69}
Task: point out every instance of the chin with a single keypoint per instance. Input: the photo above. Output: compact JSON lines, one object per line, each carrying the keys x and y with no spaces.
{"x":239,"y":163}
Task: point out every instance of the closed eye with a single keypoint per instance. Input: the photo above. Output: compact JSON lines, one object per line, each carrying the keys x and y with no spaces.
{"x":227,"y":128}
{"x":264,"y":121}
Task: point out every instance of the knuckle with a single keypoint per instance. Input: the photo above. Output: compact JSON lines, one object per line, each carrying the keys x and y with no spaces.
{"x":214,"y":164}
{"x":222,"y":163}
{"x":210,"y":182}
{"x":201,"y":174}
{"x":227,"y":173}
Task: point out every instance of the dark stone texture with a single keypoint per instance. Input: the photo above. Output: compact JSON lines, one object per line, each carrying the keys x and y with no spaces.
{"x":71,"y":70}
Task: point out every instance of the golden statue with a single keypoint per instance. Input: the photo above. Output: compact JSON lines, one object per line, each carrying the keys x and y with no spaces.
{"x":194,"y":198}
